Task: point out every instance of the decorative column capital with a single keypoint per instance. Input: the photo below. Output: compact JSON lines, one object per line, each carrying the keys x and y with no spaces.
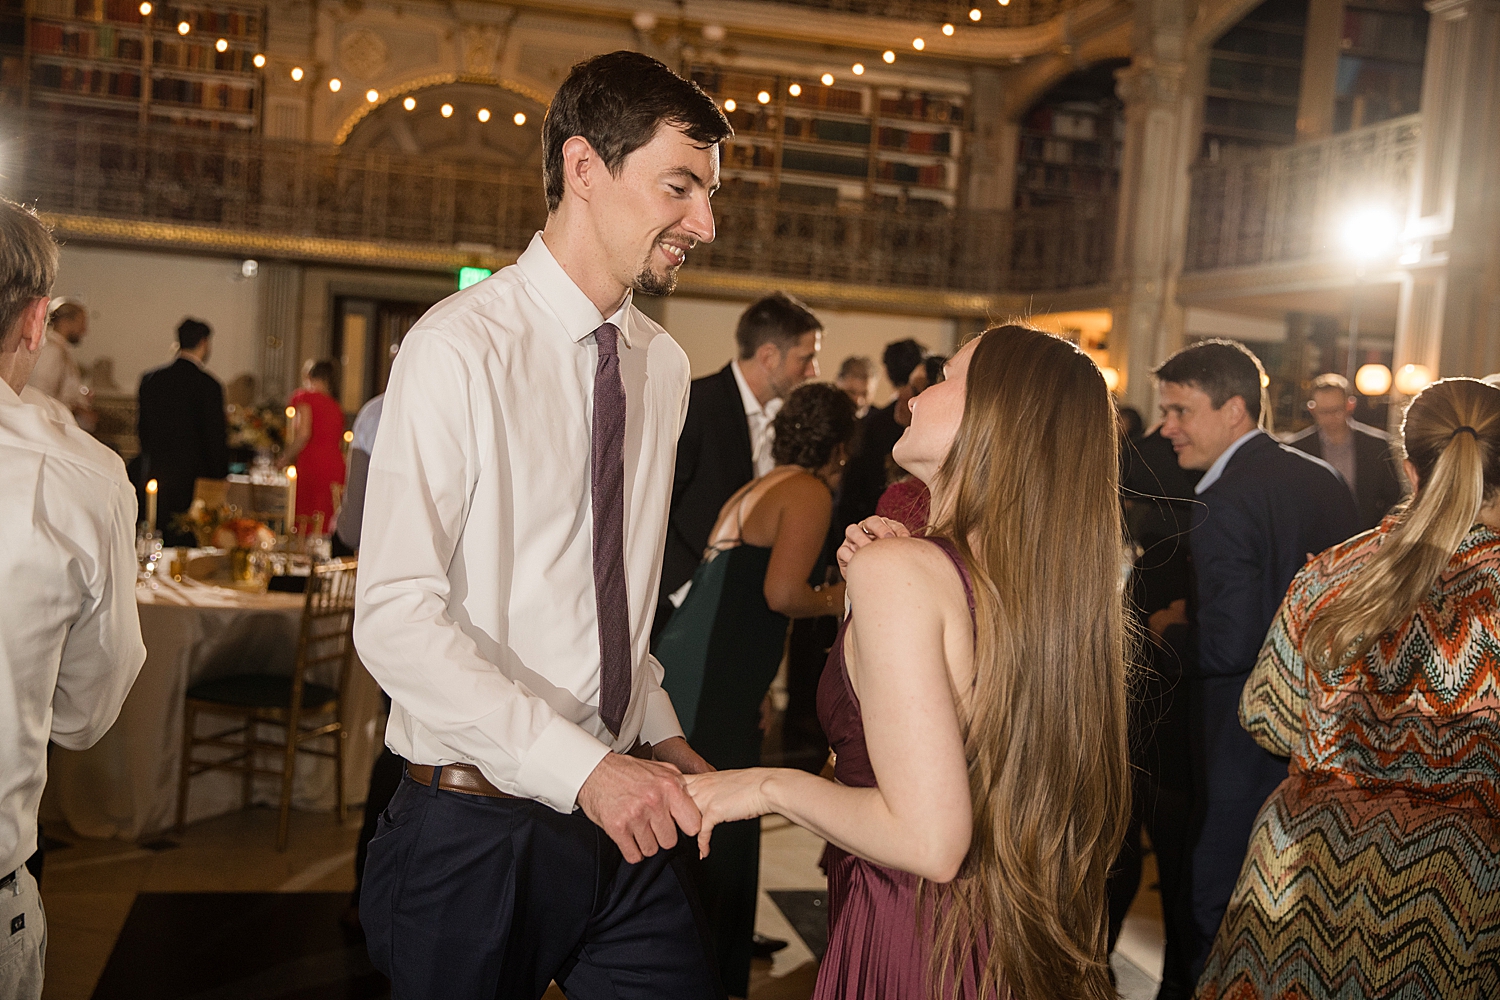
{"x":1149,"y":82}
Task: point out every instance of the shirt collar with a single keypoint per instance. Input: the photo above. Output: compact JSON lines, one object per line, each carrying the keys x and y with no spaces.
{"x":8,"y":396}
{"x":194,"y":359}
{"x":579,"y":316}
{"x":1217,"y":469}
{"x":751,"y":404}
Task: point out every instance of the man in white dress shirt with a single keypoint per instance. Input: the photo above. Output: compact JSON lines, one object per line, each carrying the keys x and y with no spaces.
{"x":70,"y":639}
{"x":514,"y":521}
{"x":57,"y":373}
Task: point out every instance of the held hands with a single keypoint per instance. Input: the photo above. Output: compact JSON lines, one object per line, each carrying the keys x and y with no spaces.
{"x":726,"y":796}
{"x":639,"y":803}
{"x":857,"y":536}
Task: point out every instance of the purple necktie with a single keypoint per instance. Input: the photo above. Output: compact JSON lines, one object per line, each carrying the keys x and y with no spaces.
{"x":608,"y":478}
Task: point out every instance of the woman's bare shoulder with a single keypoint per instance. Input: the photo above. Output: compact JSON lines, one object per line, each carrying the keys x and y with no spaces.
{"x":896,"y":569}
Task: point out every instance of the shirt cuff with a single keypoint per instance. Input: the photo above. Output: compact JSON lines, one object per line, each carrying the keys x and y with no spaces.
{"x":558,"y":764}
{"x":660,"y":722}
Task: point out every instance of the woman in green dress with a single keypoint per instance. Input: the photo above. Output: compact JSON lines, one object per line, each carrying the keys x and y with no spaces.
{"x":723,"y":646}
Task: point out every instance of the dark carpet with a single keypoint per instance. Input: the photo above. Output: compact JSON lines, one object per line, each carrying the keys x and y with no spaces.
{"x":239,"y":946}
{"x":807,"y":911}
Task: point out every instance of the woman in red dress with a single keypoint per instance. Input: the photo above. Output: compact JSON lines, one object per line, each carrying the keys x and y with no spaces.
{"x":975,"y":699}
{"x":314,"y":442}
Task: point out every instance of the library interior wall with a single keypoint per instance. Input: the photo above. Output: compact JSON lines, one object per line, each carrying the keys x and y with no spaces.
{"x":136,"y":299}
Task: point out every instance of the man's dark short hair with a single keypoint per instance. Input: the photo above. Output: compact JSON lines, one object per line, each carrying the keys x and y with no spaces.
{"x":1219,"y":368}
{"x":191,"y":333}
{"x":779,"y":319}
{"x":901,"y":359}
{"x":617,"y":102}
{"x":857,"y":366}
{"x":1331,"y":382}
{"x":323,"y":371}
{"x":64,"y":313}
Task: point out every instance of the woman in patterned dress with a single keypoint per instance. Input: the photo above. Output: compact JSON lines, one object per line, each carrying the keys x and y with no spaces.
{"x":976,"y":700}
{"x":1374,"y":869}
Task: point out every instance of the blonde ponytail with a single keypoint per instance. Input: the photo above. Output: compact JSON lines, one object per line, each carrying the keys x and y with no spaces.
{"x":1452,"y":435}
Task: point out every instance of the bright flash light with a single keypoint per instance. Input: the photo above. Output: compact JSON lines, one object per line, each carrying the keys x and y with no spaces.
{"x":372,"y":96}
{"x":827,"y":79}
{"x":259,"y":60}
{"x":858,"y":69}
{"x":446,"y":110}
{"x":795,"y":90}
{"x":888,"y":56}
{"x":1111,"y":378}
{"x":297,"y":73}
{"x":410,"y":104}
{"x":918,"y":44}
{"x":145,"y":10}
{"x":1370,"y":232}
{"x":222,"y":45}
{"x":520,"y":118}
{"x":763,"y":97}
{"x":974,"y":14}
{"x":335,"y":84}
{"x":729,"y":104}
{"x":1373,"y":380}
{"x":1412,"y":379}
{"x":183,"y":27}
{"x":947,"y":29}
{"x":348,"y":437}
{"x":483,"y":115}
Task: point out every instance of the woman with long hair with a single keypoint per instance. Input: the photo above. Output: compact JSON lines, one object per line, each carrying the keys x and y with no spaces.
{"x":1374,"y":869}
{"x":975,"y":700}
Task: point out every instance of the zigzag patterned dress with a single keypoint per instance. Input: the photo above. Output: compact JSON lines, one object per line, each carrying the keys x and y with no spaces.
{"x":1374,"y":869}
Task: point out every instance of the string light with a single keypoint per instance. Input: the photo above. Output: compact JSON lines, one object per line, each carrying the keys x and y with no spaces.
{"x":145,"y":10}
{"x":260,"y":60}
{"x":410,"y":104}
{"x":222,"y":45}
{"x":858,"y":69}
{"x":827,"y":79}
{"x":297,"y":73}
{"x":335,"y":84}
{"x":446,"y":110}
{"x":763,"y":97}
{"x":1005,"y":3}
{"x":795,"y":90}
{"x":520,"y":118}
{"x":729,"y":104}
{"x":888,"y":56}
{"x":183,"y":27}
{"x":372,"y":96}
{"x":974,"y":14}
{"x":484,"y":114}
{"x":918,"y":44}
{"x":948,"y":29}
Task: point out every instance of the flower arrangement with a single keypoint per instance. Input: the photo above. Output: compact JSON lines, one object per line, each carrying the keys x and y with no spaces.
{"x":255,"y":428}
{"x":202,"y":520}
{"x":243,"y":533}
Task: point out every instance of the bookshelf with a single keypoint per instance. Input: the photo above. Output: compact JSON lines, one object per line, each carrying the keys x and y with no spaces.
{"x":107,"y":57}
{"x":1071,"y":142}
{"x":1254,"y":81}
{"x":12,"y":52}
{"x":848,"y":141}
{"x":1383,"y":46}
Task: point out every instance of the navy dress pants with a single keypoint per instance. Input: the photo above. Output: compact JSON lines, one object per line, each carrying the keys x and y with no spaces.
{"x":466,"y":897}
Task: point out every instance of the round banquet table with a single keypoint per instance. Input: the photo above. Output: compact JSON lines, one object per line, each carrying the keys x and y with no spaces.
{"x":125,"y":786}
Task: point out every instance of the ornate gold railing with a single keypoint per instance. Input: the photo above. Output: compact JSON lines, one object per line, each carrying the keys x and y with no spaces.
{"x":257,"y":186}
{"x":1286,"y":204}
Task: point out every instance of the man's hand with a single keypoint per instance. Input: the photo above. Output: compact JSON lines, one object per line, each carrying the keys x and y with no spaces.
{"x":639,"y":803}
{"x":857,"y":536}
{"x":1173,"y":614}
{"x":676,"y":752}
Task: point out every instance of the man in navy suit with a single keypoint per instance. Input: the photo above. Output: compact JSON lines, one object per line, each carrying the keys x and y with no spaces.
{"x":1265,"y":509}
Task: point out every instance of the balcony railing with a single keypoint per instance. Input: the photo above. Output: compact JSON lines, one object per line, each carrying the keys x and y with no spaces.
{"x":251,"y":185}
{"x":1015,"y":13}
{"x":1286,"y":205}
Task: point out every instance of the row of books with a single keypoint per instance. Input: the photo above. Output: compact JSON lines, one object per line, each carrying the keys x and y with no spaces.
{"x":199,"y":94}
{"x":89,"y":80}
{"x":914,"y":142}
{"x":926,"y":107}
{"x":934,"y":175}
{"x":1258,"y":79}
{"x":823,"y":130}
{"x":186,"y":55}
{"x":88,"y":43}
{"x":1048,"y":149}
{"x":122,"y":11}
{"x":738,"y":156}
{"x":830,"y":99}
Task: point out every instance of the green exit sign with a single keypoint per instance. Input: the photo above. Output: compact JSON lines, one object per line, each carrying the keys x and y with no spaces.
{"x":472,"y":276}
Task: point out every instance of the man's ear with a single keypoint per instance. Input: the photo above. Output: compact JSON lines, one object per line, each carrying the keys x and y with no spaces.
{"x":581,"y":167}
{"x":34,"y":324}
{"x":769,"y":356}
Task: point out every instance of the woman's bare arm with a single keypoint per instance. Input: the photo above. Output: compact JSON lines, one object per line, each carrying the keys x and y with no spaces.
{"x":301,"y":433}
{"x":804,"y":507}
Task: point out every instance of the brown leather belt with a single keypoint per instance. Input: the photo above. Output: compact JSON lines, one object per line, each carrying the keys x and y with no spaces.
{"x":469,"y":780}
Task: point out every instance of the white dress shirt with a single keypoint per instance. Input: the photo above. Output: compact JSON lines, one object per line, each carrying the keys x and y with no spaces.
{"x":1216,"y":470}
{"x":70,"y":638}
{"x":57,"y":373}
{"x":761,"y":419}
{"x":476,"y":608}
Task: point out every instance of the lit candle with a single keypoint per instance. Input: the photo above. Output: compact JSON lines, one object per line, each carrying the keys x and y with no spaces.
{"x":151,"y":506}
{"x":291,"y":498}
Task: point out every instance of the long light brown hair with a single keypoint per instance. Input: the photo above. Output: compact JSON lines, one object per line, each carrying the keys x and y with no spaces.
{"x":1451,"y":433}
{"x":1029,"y":495}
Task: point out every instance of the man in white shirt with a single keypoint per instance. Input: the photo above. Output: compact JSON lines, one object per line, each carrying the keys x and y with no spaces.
{"x":70,"y":640}
{"x":57,"y":373}
{"x":514,"y":519}
{"x":726,"y":441}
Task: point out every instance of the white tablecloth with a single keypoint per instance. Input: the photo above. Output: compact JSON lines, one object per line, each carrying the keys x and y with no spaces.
{"x":125,"y":786}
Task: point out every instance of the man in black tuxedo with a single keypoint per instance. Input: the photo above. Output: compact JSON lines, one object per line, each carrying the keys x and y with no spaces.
{"x":181,"y":426}
{"x":726,"y":440}
{"x":1361,"y":453}
{"x":1265,"y":508}
{"x":865,"y":476}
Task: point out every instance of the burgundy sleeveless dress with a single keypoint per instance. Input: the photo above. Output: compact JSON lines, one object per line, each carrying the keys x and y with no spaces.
{"x":877,"y":944}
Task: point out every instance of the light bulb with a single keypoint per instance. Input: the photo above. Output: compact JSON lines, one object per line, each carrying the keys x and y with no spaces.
{"x":974,"y":14}
{"x":145,"y":10}
{"x":446,"y":110}
{"x":1373,"y":380}
{"x":858,"y":69}
{"x":335,"y":84}
{"x":918,"y":44}
{"x":763,"y":97}
{"x":183,"y":27}
{"x":297,"y":73}
{"x":947,"y":29}
{"x":372,"y":96}
{"x":795,"y":90}
{"x":827,"y":79}
{"x":222,"y":45}
{"x":260,"y":60}
{"x":888,"y":56}
{"x":410,"y":104}
{"x":1412,"y":379}
{"x":520,"y":118}
{"x":483,"y":115}
{"x":729,"y":104}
